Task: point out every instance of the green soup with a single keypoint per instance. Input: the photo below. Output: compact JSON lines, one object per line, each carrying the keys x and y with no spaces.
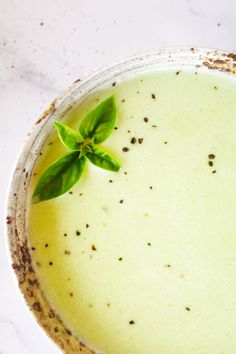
{"x":143,"y":261}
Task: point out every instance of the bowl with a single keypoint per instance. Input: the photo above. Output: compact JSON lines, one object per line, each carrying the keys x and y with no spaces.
{"x":19,"y":195}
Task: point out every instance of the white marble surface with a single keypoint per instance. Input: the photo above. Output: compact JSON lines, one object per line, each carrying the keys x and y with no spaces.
{"x":47,"y":44}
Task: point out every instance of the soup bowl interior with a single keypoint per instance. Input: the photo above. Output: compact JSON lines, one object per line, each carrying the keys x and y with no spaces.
{"x":20,"y":196}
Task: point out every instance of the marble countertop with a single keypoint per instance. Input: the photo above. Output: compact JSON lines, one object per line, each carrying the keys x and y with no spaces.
{"x":45,"y":45}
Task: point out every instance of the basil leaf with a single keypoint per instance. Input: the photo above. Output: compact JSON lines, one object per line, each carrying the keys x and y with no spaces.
{"x":59,"y":177}
{"x":99,"y":123}
{"x":102,"y":159}
{"x":69,"y":137}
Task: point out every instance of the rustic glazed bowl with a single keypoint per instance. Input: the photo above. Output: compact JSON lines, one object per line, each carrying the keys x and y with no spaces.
{"x":19,"y":196}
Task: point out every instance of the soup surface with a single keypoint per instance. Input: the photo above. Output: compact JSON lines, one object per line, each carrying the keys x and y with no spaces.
{"x":144,"y":260}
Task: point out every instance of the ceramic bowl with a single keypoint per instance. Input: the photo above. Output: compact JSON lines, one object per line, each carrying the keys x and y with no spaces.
{"x":19,"y":195}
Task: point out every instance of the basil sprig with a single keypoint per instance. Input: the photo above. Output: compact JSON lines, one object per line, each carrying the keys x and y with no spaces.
{"x":61,"y":175}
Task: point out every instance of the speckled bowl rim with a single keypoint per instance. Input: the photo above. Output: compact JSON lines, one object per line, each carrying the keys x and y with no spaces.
{"x":19,"y":198}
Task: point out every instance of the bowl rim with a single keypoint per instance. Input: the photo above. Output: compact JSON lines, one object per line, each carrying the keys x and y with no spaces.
{"x":18,"y":249}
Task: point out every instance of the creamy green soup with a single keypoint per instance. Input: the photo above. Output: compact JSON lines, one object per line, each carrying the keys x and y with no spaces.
{"x":143,"y":261}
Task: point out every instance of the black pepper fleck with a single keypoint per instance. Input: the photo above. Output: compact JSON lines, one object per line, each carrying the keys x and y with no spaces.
{"x":70,"y":192}
{"x":110,"y":181}
{"x":125,"y":149}
{"x":187,"y":308}
{"x":149,"y":243}
{"x":121,"y":201}
{"x":33,"y":248}
{"x":214,"y":171}
{"x":211,"y":156}
{"x":150,"y":187}
{"x":177,"y":72}
{"x":145,"y":119}
{"x":114,"y":84}
{"x":116,"y":128}
{"x":67,"y":252}
{"x":133,"y":140}
{"x":94,"y":248}
{"x":87,"y":226}
{"x":46,"y":245}
{"x":131,"y":322}
{"x":153,"y":96}
{"x":50,"y":263}
{"x":120,"y":259}
{"x":167,"y":266}
{"x":123,"y":100}
{"x":65,"y":235}
{"x":140,"y":140}
{"x":210,"y":163}
{"x":78,"y":233}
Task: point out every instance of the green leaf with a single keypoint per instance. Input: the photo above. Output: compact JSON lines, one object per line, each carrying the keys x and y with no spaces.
{"x":99,"y":123}
{"x":102,"y":159}
{"x":59,"y":177}
{"x":67,"y":170}
{"x":69,"y":137}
